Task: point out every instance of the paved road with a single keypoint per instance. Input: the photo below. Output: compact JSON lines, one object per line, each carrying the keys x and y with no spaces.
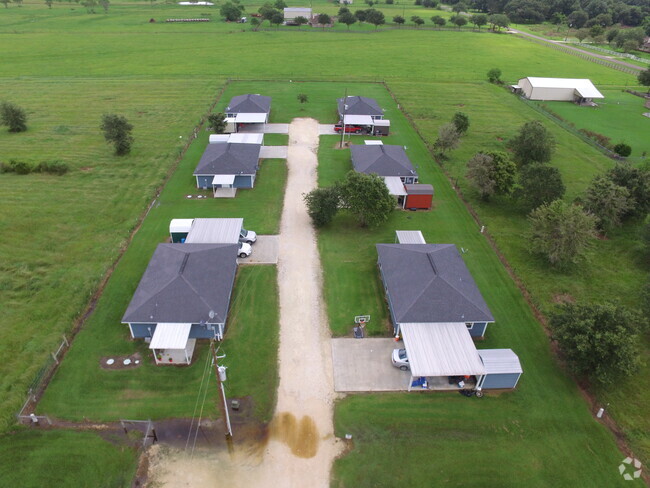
{"x":578,"y":50}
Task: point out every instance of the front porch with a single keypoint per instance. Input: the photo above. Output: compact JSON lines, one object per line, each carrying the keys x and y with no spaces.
{"x":175,"y":356}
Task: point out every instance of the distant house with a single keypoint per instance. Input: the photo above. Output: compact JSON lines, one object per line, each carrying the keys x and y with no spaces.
{"x":558,"y":89}
{"x":389,"y":162}
{"x":291,"y":13}
{"x":356,"y":105}
{"x":246,"y":110}
{"x":228,"y":166}
{"x":184,"y":295}
{"x":430,"y":284}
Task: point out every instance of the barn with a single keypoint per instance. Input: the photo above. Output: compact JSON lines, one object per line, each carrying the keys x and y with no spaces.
{"x":502,"y":369}
{"x":183,"y":296}
{"x":581,"y":91}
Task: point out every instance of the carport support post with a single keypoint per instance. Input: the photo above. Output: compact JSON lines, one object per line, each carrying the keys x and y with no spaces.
{"x":410,"y":382}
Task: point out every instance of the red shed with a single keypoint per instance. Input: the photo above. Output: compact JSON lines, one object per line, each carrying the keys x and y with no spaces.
{"x":418,"y":196}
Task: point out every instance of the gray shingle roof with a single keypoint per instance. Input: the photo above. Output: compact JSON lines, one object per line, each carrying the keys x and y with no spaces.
{"x":359,"y":106}
{"x":183,"y":282}
{"x":430,"y":283}
{"x":249,"y":104}
{"x":229,"y":159}
{"x":381,"y":159}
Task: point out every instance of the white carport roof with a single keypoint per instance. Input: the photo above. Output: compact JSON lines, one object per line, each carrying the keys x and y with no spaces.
{"x":250,"y":118}
{"x":410,"y":237}
{"x":357,"y":120}
{"x":180,"y":225}
{"x":500,"y":361}
{"x":217,"y":138}
{"x":170,"y":336}
{"x":381,"y":122}
{"x":395,"y":185}
{"x":223,"y":179}
{"x":215,"y":231}
{"x":441,"y":349}
{"x":246,"y":138}
{"x":369,"y":142}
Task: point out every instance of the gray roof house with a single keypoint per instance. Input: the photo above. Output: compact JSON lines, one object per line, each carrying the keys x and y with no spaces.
{"x":383,"y":160}
{"x":249,"y":104}
{"x":183,"y":295}
{"x":228,"y":165}
{"x":430,"y":283}
{"x":357,"y":105}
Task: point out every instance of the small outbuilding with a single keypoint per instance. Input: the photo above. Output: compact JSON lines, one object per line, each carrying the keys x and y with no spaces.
{"x":502,"y":369}
{"x":581,"y":91}
{"x":291,"y":13}
{"x":418,"y":196}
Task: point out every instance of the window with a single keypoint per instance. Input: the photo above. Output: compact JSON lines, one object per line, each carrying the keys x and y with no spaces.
{"x":469,"y":325}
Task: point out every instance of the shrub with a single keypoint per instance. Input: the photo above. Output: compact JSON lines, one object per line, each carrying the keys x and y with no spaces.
{"x":20,"y":167}
{"x":599,"y":138}
{"x":494,"y":75}
{"x":623,"y":149}
{"x":52,"y":167}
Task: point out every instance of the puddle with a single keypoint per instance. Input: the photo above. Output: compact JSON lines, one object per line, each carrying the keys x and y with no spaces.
{"x":300,"y":436}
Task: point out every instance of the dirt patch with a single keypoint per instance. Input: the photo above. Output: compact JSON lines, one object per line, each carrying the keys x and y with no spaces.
{"x":121,"y":362}
{"x":563,"y":298}
{"x":301,"y":436}
{"x":86,"y":169}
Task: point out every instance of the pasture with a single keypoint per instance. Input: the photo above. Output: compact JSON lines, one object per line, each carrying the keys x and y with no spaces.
{"x":67,"y":67}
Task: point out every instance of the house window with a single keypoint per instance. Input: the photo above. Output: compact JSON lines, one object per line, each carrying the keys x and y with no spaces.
{"x":469,"y":325}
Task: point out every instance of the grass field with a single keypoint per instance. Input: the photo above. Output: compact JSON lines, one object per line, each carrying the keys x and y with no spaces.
{"x":619,"y":116}
{"x":33,"y":459}
{"x":67,"y":67}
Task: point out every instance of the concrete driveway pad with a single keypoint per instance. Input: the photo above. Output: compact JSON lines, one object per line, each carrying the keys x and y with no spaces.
{"x":265,"y":251}
{"x":273,"y":152}
{"x":326,"y":129}
{"x":364,"y":365}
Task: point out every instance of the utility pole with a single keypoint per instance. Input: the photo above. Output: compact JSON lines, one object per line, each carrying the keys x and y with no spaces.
{"x":345,"y":109}
{"x":220,"y":372}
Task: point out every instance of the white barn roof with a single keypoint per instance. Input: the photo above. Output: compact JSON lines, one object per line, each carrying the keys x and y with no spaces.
{"x":410,"y":237}
{"x":215,"y":231}
{"x":500,"y":361}
{"x":584,"y":87}
{"x":441,"y":349}
{"x":170,"y":336}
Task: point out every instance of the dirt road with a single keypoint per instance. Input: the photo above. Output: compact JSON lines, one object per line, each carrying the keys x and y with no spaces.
{"x":301,"y":446}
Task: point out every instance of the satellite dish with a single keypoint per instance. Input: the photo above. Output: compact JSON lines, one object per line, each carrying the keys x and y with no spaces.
{"x":211,"y":314}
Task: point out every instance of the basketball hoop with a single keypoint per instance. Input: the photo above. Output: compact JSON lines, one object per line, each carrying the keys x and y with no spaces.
{"x":362,"y":320}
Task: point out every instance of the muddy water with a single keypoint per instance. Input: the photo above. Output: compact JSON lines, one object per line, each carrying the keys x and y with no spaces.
{"x":301,"y":436}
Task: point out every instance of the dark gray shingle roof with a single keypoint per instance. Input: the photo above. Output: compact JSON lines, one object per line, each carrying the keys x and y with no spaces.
{"x":229,"y":159}
{"x":359,"y":106}
{"x":183,"y":282}
{"x":249,"y":104}
{"x":382,"y":160}
{"x":430,"y":283}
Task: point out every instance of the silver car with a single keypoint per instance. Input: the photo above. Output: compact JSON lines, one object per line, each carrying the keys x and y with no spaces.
{"x":400,"y":359}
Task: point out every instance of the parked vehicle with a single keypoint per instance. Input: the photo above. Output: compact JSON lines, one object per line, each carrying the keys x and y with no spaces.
{"x":349,"y":129}
{"x":247,"y":236}
{"x":245,"y":250}
{"x":400,"y":360}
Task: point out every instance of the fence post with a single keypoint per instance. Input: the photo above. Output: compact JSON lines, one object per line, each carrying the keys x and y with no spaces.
{"x":54,"y":357}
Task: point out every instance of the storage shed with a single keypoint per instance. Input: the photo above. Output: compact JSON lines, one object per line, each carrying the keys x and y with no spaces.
{"x":558,"y":89}
{"x":418,"y":196}
{"x":502,"y":369}
{"x":290,"y":14}
{"x":179,"y":228}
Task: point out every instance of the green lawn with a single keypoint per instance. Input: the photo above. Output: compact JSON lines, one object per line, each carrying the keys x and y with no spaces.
{"x":33,"y":459}
{"x":619,"y":116}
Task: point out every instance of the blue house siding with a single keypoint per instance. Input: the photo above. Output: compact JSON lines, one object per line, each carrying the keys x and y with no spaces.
{"x":201,"y":331}
{"x":243,"y":181}
{"x":478,"y":329}
{"x":140,"y":331}
{"x":204,"y":182}
{"x":508,"y":380}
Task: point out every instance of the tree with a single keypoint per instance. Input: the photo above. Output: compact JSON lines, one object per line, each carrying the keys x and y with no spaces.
{"x":322,"y":205}
{"x":343,"y":10}
{"x":607,"y":201}
{"x":478,"y":20}
{"x":417,"y":21}
{"x":637,"y":182}
{"x":460,"y":21}
{"x":494,"y":76}
{"x":13,"y":117}
{"x":277,"y":18}
{"x":533,"y":144}
{"x":217,"y":122}
{"x":399,"y":20}
{"x":459,"y":7}
{"x":623,"y":149}
{"x":300,"y":20}
{"x":49,"y":3}
{"x":302,"y":98}
{"x":267,"y":11}
{"x":280,"y":4}
{"x":360,"y":15}
{"x":560,"y":232}
{"x":367,"y":198}
{"x":375,"y":17}
{"x":539,"y":184}
{"x":231,"y":11}
{"x":577,"y":19}
{"x":255,"y":23}
{"x":429,"y":3}
{"x":448,"y":139}
{"x":644,"y":78}
{"x":491,"y":173}
{"x":582,"y":34}
{"x":498,"y":21}
{"x":105,"y":4}
{"x":323,"y":19}
{"x":461,"y":121}
{"x":117,"y":131}
{"x":439,"y":21}
{"x":6,"y":3}
{"x":599,"y":341}
{"x":347,"y":18}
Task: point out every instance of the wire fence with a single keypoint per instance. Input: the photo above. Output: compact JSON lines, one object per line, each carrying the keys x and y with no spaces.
{"x":614,"y":53}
